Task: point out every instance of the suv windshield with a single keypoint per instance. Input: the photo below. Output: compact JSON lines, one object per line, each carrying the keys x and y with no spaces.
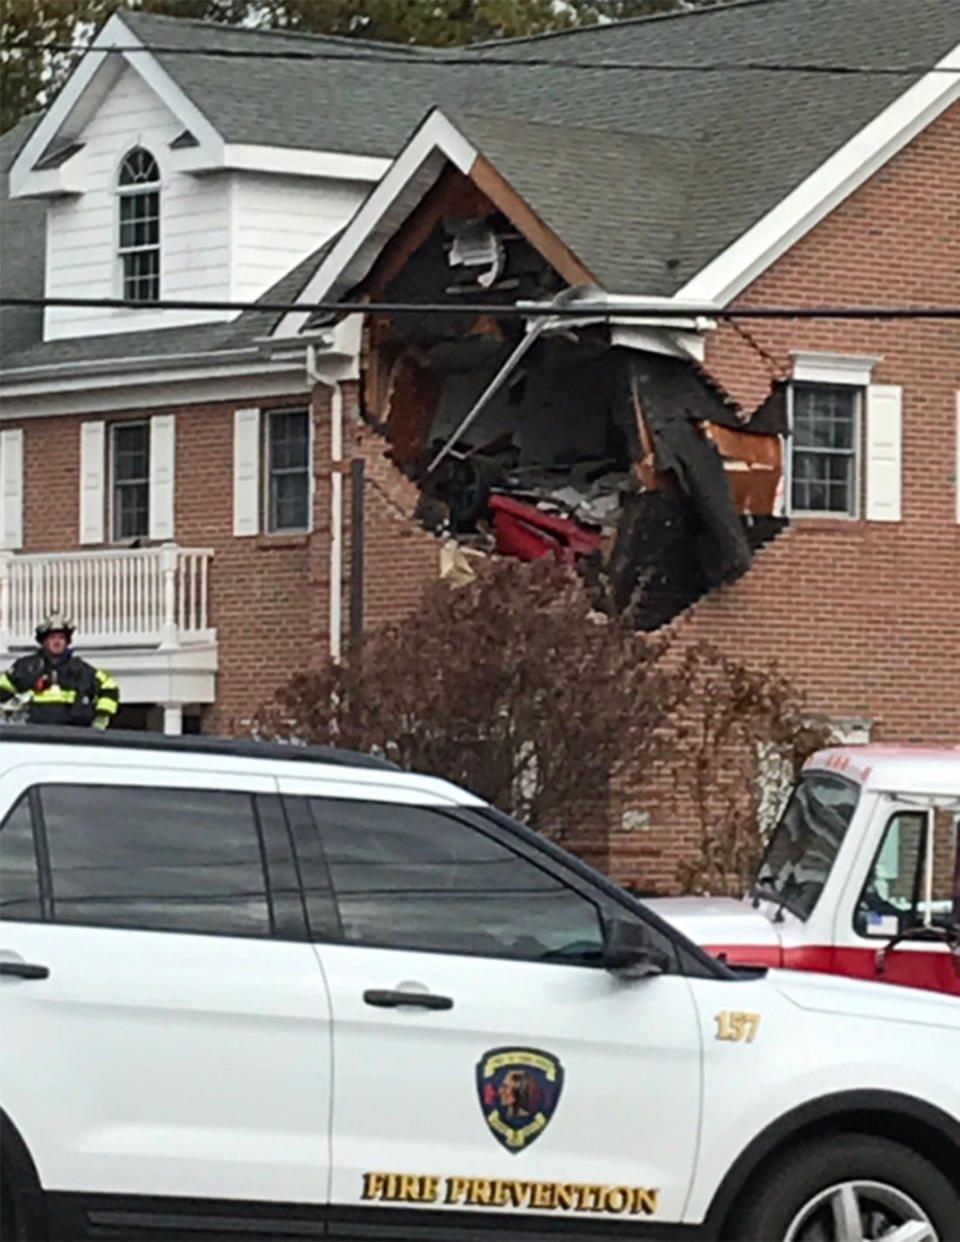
{"x":804,"y":844}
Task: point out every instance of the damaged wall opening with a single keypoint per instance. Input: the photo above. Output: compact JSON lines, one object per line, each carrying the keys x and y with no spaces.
{"x":634,"y":466}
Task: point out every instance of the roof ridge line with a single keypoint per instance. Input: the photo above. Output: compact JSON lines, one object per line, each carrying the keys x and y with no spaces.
{"x":717,"y":6}
{"x":265,"y":31}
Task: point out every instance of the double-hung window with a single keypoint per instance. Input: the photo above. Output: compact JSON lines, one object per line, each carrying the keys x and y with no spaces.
{"x":825,"y":448}
{"x":139,"y":240}
{"x":130,"y":480}
{"x":287,"y":470}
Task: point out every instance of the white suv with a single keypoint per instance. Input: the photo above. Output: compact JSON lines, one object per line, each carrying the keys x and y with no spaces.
{"x":255,"y":991}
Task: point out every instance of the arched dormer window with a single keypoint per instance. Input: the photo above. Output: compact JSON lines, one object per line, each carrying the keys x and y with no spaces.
{"x":139,"y":248}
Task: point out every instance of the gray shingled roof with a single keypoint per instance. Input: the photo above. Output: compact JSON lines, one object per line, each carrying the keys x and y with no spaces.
{"x":647,"y":175}
{"x":760,"y":134}
{"x":212,"y":338}
{"x":567,"y":174}
{"x":21,"y":249}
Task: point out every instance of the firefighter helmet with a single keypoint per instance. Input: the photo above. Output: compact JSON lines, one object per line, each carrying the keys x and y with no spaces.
{"x":56,"y":622}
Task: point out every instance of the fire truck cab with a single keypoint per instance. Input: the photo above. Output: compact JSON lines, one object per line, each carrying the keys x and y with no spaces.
{"x":860,"y":876}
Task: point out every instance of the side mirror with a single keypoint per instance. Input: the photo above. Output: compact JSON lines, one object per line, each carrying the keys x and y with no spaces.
{"x":628,"y":950}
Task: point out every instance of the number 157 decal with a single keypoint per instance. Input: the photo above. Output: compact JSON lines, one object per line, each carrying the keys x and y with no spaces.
{"x":737,"y":1026}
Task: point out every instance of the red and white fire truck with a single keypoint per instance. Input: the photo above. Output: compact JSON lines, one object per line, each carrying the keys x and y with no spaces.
{"x":861,"y":875}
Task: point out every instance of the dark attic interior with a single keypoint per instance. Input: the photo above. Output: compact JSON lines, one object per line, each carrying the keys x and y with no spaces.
{"x":531,"y":441}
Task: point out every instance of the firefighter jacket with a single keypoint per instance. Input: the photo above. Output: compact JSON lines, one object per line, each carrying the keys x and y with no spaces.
{"x":64,"y":691}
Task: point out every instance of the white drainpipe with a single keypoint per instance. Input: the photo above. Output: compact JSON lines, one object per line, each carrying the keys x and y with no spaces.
{"x":336,"y":501}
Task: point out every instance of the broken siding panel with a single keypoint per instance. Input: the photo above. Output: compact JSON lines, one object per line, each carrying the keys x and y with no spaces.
{"x":884,"y":420}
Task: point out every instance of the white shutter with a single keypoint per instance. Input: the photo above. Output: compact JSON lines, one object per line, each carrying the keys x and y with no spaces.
{"x":11,"y":489}
{"x":883,"y":467}
{"x":92,"y":469}
{"x":246,"y":472}
{"x":161,"y":476}
{"x":956,"y":474}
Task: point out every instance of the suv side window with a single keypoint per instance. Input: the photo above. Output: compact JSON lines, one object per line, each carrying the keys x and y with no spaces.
{"x":909,"y":884}
{"x":414,"y":878}
{"x":179,"y":860}
{"x":19,"y":874}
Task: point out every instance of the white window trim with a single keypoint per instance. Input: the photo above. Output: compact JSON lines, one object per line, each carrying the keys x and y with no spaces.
{"x":811,"y":367}
{"x":111,"y":428}
{"x":265,"y":418}
{"x":858,"y":444}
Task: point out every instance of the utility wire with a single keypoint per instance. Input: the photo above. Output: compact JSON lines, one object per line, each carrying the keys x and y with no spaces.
{"x":585,"y":311}
{"x":433,"y":58}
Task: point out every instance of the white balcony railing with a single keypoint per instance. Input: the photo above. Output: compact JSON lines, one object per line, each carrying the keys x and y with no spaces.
{"x":117,"y":598}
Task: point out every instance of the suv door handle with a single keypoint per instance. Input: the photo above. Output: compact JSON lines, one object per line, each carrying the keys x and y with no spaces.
{"x":385,"y":999}
{"x":24,"y":970}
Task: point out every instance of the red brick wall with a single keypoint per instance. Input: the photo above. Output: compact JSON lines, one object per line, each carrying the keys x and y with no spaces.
{"x":269,"y":594}
{"x":864,"y":616}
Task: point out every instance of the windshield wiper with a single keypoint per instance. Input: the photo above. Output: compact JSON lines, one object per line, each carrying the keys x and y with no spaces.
{"x":763,"y":892}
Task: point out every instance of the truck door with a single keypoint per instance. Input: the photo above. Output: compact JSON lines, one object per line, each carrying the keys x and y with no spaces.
{"x":904,"y":927}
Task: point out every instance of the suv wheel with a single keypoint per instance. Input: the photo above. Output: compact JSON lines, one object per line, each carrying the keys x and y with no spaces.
{"x":852,"y":1188}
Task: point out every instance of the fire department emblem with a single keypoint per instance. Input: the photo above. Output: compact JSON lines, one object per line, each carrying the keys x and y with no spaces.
{"x":519,"y":1090}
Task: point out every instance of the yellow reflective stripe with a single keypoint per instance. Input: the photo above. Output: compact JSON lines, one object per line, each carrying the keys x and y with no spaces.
{"x":54,"y":694}
{"x":106,"y":707}
{"x":105,"y":681}
{"x":7,"y":684}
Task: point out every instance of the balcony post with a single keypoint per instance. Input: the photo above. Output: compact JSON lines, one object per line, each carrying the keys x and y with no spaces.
{"x":6,"y":629}
{"x":169,"y":558}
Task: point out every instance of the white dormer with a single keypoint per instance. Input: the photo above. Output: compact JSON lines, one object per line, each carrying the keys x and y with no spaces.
{"x":147,"y":202}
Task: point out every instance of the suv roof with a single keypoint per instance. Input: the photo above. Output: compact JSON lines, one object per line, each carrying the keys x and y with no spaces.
{"x":236,"y":748}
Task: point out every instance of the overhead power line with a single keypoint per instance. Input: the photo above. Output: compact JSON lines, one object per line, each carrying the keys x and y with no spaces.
{"x":433,"y":58}
{"x":598,"y":310}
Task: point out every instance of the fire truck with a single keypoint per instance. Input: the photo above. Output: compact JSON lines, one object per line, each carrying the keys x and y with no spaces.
{"x":860,"y":876}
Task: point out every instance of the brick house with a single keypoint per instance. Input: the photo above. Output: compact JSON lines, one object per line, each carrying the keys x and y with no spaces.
{"x":182,"y":479}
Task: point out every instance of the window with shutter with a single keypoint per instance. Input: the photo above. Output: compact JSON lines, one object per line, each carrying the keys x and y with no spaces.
{"x":287,"y":502}
{"x":130,"y":480}
{"x":824,"y":459}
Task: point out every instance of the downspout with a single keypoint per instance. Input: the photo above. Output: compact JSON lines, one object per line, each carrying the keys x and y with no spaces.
{"x":336,"y":501}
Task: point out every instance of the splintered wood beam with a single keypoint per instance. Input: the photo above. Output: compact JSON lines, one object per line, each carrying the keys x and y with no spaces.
{"x":645,"y":468}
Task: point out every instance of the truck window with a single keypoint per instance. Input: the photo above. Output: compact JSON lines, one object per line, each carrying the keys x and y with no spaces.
{"x":914,"y":878}
{"x":802,"y":847}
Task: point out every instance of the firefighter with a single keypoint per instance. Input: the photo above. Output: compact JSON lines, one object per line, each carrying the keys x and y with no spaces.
{"x":59,"y":687}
